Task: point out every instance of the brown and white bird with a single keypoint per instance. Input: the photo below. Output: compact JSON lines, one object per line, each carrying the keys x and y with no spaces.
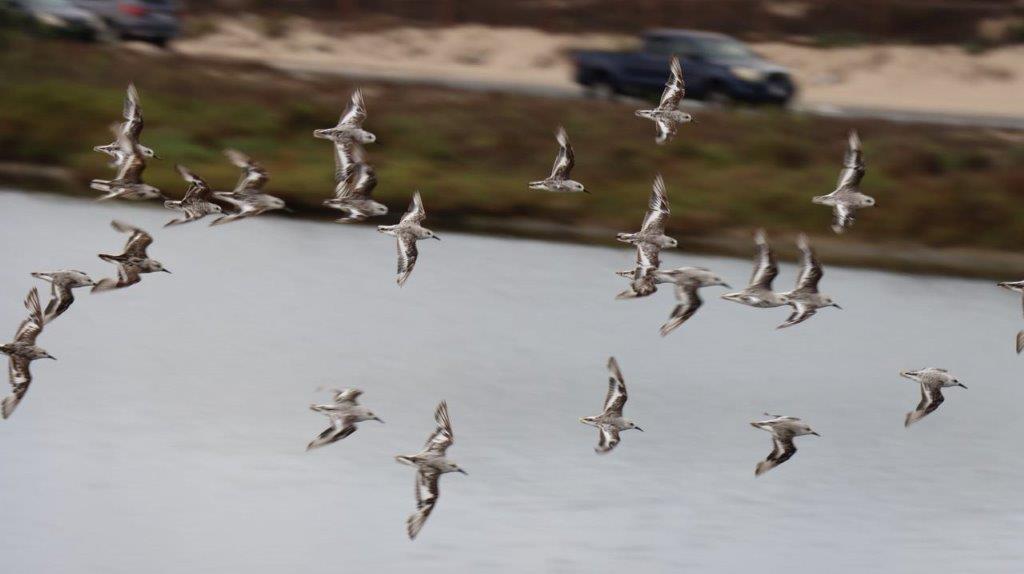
{"x":350,"y":126}
{"x":758,"y":292}
{"x":805,"y":298}
{"x":688,"y":280}
{"x":127,"y":183}
{"x":133,"y":262}
{"x":408,"y":231}
{"x":131,"y":127}
{"x":198,"y":200}
{"x":247,"y":198}
{"x":430,"y":463}
{"x":932,"y":381}
{"x":611,"y":422}
{"x":355,"y":181}
{"x":61,"y":285}
{"x":344,"y":412}
{"x":21,"y":352}
{"x":652,"y":230}
{"x":847,"y":198}
{"x":559,"y":181}
{"x":784,"y":430}
{"x":667,"y":117}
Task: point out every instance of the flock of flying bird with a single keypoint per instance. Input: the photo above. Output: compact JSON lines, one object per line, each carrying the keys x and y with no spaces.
{"x":355,"y":180}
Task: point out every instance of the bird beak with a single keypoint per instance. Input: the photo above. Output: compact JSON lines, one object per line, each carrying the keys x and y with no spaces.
{"x":961,"y":385}
{"x":815,"y":434}
{"x":378,"y":419}
{"x":726,"y":285}
{"x":51,"y":357}
{"x":157,"y":157}
{"x":639,"y":429}
{"x":436,"y":237}
{"x":837,"y":306}
{"x":167,"y":271}
{"x":463,"y":472}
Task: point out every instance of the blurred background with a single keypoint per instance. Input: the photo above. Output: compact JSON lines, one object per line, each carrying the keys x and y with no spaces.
{"x":465,"y":96}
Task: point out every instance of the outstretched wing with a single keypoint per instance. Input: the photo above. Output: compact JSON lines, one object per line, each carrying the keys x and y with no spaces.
{"x":843,"y":216}
{"x":407,"y":254}
{"x":811,"y":271}
{"x":355,"y":113}
{"x":137,"y":242}
{"x":132,"y":113}
{"x":675,"y":88}
{"x":607,"y":439}
{"x":616,"y":398}
{"x":360,"y":183}
{"x":427,"y":493}
{"x":30,"y":328}
{"x":800,"y":314}
{"x":783,"y":449}
{"x":853,"y":164}
{"x":931,"y":398}
{"x":657,"y":208}
{"x":20,"y":378}
{"x":416,"y":213}
{"x":438,"y":442}
{"x":253,"y":177}
{"x":566,"y":159}
{"x":347,"y":154}
{"x":766,"y":265}
{"x":689,"y":302}
{"x":197,"y":188}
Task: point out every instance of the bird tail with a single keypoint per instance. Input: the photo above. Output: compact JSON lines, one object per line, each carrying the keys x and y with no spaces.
{"x":536,"y":184}
{"x":389,"y":229}
{"x":43,"y":276}
{"x":820,"y":199}
{"x":100,"y":185}
{"x":405,"y":460}
{"x":625,"y":237}
{"x":111,"y":258}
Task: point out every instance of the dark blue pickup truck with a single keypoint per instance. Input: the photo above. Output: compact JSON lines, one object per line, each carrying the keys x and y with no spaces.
{"x":716,"y":68}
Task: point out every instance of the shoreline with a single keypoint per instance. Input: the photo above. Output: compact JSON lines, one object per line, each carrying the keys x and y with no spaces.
{"x":902,"y":257}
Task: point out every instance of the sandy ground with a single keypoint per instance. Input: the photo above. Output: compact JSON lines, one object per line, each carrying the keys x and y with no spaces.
{"x":931,"y":79}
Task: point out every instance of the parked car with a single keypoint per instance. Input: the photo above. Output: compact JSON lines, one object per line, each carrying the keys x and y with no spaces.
{"x":716,"y":68}
{"x":154,"y":21}
{"x":57,"y":17}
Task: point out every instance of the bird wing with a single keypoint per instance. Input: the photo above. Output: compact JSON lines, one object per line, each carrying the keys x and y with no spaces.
{"x":783,"y":449}
{"x":607,"y":438}
{"x":566,"y":159}
{"x":30,"y":328}
{"x":61,"y":301}
{"x":197,"y":188}
{"x":253,"y":177}
{"x":931,"y":398}
{"x":132,"y":163}
{"x":657,"y":208}
{"x":360,"y":183}
{"x":844,"y":215}
{"x":137,"y":242}
{"x":407,"y":254}
{"x":648,"y":255}
{"x":416,"y":213}
{"x":853,"y":165}
{"x":766,"y":265}
{"x":132,"y":113}
{"x":811,"y":271}
{"x":689,"y":302}
{"x":20,"y":378}
{"x":347,"y":396}
{"x":347,"y":153}
{"x":427,"y":493}
{"x":666,"y":130}
{"x":438,"y":442}
{"x":617,"y":395}
{"x":801,"y":313}
{"x":355,"y":113}
{"x":675,"y":88}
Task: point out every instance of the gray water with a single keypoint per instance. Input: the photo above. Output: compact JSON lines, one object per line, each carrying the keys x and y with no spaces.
{"x":169,"y":436}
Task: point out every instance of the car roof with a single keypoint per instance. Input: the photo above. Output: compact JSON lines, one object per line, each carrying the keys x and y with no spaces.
{"x":683,"y":33}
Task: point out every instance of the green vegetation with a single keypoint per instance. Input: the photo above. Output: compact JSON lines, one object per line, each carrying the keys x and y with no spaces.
{"x":473,"y":153}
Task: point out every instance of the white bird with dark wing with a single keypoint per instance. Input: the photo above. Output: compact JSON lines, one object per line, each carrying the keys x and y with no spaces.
{"x":133,"y":262}
{"x":21,"y":352}
{"x":805,"y":298}
{"x":344,"y":412}
{"x":131,"y":127}
{"x":198,"y":200}
{"x":1018,"y":287}
{"x":641,"y":277}
{"x":932,"y":381}
{"x":847,"y":198}
{"x":247,"y":197}
{"x":653,"y":229}
{"x":350,"y":126}
{"x":759,"y":292}
{"x":559,"y":181}
{"x":667,"y":115}
{"x":61,"y":285}
{"x":687,"y":281}
{"x":784,"y":430}
{"x":611,"y":422}
{"x":127,"y":183}
{"x":408,"y":232}
{"x":430,"y":463}
{"x":355,"y":181}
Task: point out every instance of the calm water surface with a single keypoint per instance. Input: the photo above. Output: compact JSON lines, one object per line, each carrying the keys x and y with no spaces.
{"x":169,"y":436}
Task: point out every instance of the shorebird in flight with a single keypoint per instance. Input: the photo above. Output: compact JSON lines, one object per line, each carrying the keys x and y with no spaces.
{"x":847,"y":198}
{"x":641,"y":277}
{"x":559,"y":181}
{"x":610,"y":422}
{"x":355,"y":181}
{"x":61,"y":285}
{"x":1017,"y":286}
{"x":350,"y":126}
{"x":932,"y":381}
{"x":784,"y":430}
{"x":759,"y":292}
{"x":430,"y":463}
{"x":653,"y":229}
{"x":198,"y":200}
{"x":805,"y":298}
{"x":127,"y":183}
{"x":133,"y":262}
{"x":131,"y":128}
{"x":687,"y":281}
{"x":344,"y":412}
{"x":247,"y":197}
{"x":21,"y":352}
{"x":667,"y":115}
{"x":408,"y":232}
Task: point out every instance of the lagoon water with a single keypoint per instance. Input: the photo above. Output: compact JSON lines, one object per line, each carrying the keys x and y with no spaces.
{"x":169,"y":436}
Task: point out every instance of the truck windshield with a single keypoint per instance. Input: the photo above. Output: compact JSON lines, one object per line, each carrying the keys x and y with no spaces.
{"x":723,"y":49}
